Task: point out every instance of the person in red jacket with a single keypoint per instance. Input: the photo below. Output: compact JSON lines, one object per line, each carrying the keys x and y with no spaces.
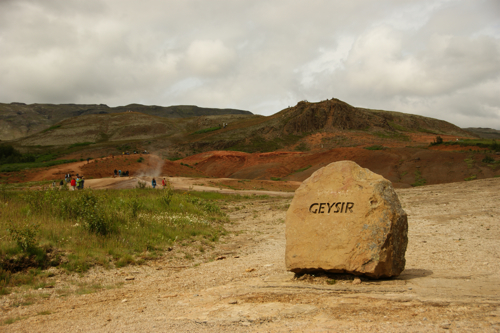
{"x":73,"y":183}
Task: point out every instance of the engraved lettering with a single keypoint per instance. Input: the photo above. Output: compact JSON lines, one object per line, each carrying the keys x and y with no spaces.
{"x":349,"y":206}
{"x":313,"y":211}
{"x":330,"y":206}
{"x":321,"y":206}
{"x":337,"y":207}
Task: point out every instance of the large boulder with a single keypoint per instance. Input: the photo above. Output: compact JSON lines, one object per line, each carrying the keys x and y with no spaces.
{"x":345,"y":218}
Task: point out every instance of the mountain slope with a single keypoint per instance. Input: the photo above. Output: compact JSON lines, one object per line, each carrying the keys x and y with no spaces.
{"x":307,"y":126}
{"x":18,"y":119}
{"x":485,"y":133}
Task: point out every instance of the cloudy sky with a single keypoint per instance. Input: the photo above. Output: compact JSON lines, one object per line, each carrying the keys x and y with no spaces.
{"x":438,"y":58}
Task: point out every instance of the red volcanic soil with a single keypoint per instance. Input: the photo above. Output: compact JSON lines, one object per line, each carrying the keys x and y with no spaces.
{"x":403,"y":166}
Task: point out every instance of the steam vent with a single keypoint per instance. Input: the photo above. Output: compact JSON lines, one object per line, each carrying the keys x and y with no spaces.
{"x":346,"y":219}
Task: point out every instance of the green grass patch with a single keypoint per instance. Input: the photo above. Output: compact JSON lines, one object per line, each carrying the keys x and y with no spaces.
{"x":276,"y":178}
{"x":419,"y":180}
{"x":302,"y":169}
{"x":81,"y":144}
{"x":259,"y":144}
{"x":51,"y":128}
{"x":24,"y":166}
{"x":398,"y":127}
{"x":375,"y":147}
{"x":392,"y":136}
{"x":492,"y":145}
{"x":206,"y":130}
{"x":470,"y":162}
{"x":472,"y":177}
{"x":80,"y":229}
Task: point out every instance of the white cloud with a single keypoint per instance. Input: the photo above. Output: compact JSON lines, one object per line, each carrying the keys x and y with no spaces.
{"x":435,"y":58}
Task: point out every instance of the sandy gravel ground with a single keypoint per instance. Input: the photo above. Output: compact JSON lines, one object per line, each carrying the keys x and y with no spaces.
{"x":451,"y":281}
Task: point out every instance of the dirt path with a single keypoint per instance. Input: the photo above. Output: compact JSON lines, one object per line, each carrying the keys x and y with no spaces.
{"x":451,"y":281}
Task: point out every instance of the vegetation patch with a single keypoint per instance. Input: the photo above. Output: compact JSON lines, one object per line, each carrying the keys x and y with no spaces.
{"x":206,"y":130}
{"x":392,"y":135}
{"x":259,"y":144}
{"x":23,"y":166}
{"x":302,"y":169}
{"x":81,"y":144}
{"x":398,"y":127}
{"x":375,"y":147}
{"x":419,"y":180}
{"x":492,"y":145}
{"x":51,"y":128}
{"x":76,"y":230}
{"x":472,"y":177}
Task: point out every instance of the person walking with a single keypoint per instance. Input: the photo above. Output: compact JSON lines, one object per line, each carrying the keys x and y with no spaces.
{"x":153,"y":183}
{"x":116,"y":172}
{"x":82,"y":183}
{"x":119,"y":173}
{"x":163,"y":183}
{"x":78,"y":183}
{"x":73,"y":183}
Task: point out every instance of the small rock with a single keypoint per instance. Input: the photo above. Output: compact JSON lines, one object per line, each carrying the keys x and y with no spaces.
{"x":356,"y":281}
{"x":236,"y":256}
{"x":410,"y":288}
{"x":49,"y":286}
{"x":220,"y":258}
{"x":445,"y":325}
{"x":233,"y":302}
{"x":128,"y":278}
{"x":268,"y":265}
{"x":248,"y":270}
{"x":109,"y":319}
{"x":40,"y":288}
{"x":124,"y":300}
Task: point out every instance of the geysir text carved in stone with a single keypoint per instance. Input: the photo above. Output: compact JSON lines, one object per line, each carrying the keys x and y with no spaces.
{"x":336,"y":207}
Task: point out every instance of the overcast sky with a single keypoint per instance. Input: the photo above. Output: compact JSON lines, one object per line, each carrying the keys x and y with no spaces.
{"x":438,"y":58}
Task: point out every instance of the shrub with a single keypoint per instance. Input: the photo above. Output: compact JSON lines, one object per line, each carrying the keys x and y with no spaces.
{"x":141,"y":185}
{"x":25,"y":236}
{"x":438,"y":141}
{"x":488,"y":159}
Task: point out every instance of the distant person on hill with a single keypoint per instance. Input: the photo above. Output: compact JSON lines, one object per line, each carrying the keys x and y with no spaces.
{"x":88,"y":160}
{"x":82,"y":183}
{"x":163,"y":183}
{"x":54,"y":184}
{"x":61,"y":183}
{"x":73,"y":183}
{"x":78,"y":183}
{"x":119,"y":173}
{"x":116,"y":172}
{"x":153,"y":183}
{"x":126,"y":173}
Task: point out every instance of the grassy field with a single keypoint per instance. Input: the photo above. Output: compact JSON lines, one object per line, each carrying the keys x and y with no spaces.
{"x":112,"y":228}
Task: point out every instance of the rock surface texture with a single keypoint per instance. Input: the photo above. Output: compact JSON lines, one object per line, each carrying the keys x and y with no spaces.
{"x":345,"y":218}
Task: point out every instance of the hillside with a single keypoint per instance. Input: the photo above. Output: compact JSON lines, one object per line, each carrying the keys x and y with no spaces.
{"x":305,"y":127}
{"x":485,"y":133}
{"x":18,"y":120}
